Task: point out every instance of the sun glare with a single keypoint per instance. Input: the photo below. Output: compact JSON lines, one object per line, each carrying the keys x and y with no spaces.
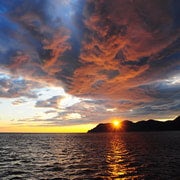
{"x":116,"y":123}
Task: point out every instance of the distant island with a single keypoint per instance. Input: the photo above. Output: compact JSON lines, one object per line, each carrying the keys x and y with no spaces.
{"x":149,"y":125}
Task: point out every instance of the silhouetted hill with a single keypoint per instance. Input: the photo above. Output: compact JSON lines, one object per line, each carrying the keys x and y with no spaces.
{"x":149,"y":125}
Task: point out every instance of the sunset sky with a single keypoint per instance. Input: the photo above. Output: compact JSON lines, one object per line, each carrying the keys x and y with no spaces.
{"x":67,"y":65}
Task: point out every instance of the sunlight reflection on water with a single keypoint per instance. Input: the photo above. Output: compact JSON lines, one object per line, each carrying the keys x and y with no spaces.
{"x":118,"y":158}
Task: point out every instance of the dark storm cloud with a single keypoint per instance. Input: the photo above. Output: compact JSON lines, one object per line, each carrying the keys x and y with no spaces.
{"x":164,"y":101}
{"x":162,"y":90}
{"x":118,"y":53}
{"x":161,"y":110}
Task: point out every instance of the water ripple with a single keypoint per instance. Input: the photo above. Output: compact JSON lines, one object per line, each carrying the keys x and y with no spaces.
{"x":154,"y":155}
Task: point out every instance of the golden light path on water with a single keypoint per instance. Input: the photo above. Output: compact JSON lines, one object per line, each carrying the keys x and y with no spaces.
{"x":120,"y":158}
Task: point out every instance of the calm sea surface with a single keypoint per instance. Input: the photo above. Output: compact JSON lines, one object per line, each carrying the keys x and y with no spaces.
{"x":150,"y":155}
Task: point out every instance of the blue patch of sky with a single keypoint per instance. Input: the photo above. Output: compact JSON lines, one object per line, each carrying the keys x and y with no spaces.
{"x":7,"y":40}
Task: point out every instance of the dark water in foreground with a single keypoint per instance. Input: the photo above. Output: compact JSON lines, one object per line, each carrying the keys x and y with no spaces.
{"x":151,"y":155}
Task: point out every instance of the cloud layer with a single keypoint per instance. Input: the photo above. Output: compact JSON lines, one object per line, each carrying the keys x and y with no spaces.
{"x":122,"y":55}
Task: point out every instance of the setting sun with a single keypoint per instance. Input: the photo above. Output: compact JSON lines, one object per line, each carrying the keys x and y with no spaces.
{"x":116,"y":123}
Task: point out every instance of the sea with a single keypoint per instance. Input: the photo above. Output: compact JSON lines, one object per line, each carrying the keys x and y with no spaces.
{"x":127,"y":155}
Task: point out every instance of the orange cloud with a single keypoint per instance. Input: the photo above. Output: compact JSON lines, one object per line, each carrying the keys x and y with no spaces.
{"x":19,"y":60}
{"x":118,"y":46}
{"x":57,"y":46}
{"x":112,"y":50}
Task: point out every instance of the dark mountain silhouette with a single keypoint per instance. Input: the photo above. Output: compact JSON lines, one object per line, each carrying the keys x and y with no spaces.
{"x":149,"y":125}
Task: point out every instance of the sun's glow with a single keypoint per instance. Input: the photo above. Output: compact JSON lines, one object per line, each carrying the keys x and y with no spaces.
{"x":68,"y":101}
{"x":82,"y":128}
{"x":116,"y":123}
